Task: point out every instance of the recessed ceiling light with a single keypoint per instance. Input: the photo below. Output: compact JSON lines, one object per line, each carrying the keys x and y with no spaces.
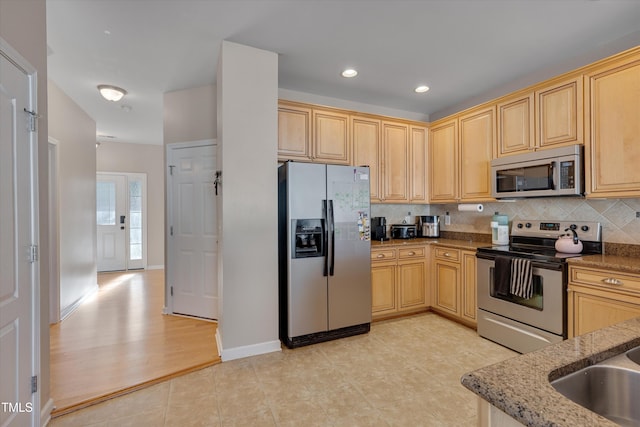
{"x":421,"y":89}
{"x":349,"y":72}
{"x":111,"y":93}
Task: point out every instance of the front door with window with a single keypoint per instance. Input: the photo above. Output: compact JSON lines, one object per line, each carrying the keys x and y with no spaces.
{"x":111,"y":209}
{"x":121,"y":219}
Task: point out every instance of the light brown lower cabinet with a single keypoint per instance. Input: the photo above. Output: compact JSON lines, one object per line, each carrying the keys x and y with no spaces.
{"x":399,"y":280}
{"x":599,"y":298}
{"x":454,"y":284}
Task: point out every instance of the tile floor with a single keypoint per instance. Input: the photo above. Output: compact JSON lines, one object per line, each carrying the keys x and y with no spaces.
{"x":405,"y":372}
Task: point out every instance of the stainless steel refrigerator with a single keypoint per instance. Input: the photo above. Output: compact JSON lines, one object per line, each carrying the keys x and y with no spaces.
{"x":324,"y":252}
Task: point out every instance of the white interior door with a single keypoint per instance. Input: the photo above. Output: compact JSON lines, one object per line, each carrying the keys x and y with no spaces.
{"x":193,"y":242}
{"x":111,"y":208}
{"x":18,"y":265}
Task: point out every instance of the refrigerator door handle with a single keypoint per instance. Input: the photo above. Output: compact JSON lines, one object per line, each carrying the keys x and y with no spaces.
{"x":325,"y":236}
{"x":332,"y":226}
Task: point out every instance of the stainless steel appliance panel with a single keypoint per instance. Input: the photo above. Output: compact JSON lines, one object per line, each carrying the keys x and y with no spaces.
{"x":514,"y":335}
{"x":553,"y":172}
{"x":307,"y":189}
{"x":324,"y":252}
{"x":307,"y":287}
{"x":349,"y":283}
{"x":549,"y":318}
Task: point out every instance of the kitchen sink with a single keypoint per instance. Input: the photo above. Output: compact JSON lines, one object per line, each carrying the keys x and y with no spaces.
{"x":634,"y":355}
{"x":610,"y":388}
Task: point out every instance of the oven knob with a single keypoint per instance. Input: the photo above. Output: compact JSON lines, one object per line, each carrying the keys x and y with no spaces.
{"x":573,"y":226}
{"x":585,"y":228}
{"x":519,"y":225}
{"x":528,"y":225}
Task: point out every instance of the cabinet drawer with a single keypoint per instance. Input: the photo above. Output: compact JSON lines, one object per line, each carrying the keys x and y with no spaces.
{"x":447,"y":254}
{"x":415,"y":252}
{"x":383,"y":254}
{"x":604,"y":278}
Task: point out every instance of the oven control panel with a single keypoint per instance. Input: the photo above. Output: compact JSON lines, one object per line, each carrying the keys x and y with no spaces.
{"x":586,"y":230}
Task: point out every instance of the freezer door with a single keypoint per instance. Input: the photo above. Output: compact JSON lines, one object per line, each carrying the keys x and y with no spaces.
{"x":349,"y":290}
{"x":307,"y":285}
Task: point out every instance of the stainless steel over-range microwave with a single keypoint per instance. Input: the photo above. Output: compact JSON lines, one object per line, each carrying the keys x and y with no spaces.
{"x":553,"y":172}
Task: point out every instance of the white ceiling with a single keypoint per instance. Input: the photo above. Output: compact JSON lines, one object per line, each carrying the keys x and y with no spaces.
{"x":460,"y":48}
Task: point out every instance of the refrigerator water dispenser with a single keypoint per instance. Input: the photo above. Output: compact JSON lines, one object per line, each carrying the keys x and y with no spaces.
{"x":309,"y":238}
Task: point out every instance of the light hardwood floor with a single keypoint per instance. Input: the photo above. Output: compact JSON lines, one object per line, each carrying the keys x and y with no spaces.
{"x":120,"y":341}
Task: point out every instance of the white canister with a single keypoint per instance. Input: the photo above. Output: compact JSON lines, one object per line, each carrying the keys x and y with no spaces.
{"x":500,"y":229}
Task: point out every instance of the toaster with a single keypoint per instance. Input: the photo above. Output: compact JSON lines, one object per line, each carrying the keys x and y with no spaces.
{"x":403,"y":231}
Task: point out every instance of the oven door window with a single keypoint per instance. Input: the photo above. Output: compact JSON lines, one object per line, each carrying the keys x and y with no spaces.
{"x":535,"y":302}
{"x":527,"y":178}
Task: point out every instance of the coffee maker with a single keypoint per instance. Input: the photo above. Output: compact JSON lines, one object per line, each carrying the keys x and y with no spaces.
{"x":379,"y":228}
{"x":429,"y":226}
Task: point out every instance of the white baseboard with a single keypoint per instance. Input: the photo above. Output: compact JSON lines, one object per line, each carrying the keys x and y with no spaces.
{"x":247,"y":350}
{"x":45,"y":413}
{"x":219,"y":341}
{"x":155,"y":267}
{"x":65,"y":312}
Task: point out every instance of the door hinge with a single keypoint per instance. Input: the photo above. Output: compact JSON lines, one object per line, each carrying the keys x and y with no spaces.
{"x":34,"y":384}
{"x":171,"y":230}
{"x":171,"y":169}
{"x":171,"y":290}
{"x":33,"y":253}
{"x":31,"y":121}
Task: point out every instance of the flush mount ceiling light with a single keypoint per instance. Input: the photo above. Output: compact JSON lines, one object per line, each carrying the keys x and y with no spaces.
{"x":421,"y":89}
{"x":111,"y":93}
{"x":349,"y":72}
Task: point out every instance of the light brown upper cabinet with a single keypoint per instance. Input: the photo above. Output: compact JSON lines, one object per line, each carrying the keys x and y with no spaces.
{"x":396,"y":153}
{"x":547,"y":116}
{"x":515,"y":124}
{"x":612,"y":128}
{"x":559,"y":113}
{"x":365,"y":138}
{"x":460,"y":156}
{"x":331,"y":137}
{"x":418,"y":164}
{"x":443,"y":161}
{"x":477,"y":139}
{"x":313,"y":134}
{"x":395,"y":161}
{"x":294,"y":132}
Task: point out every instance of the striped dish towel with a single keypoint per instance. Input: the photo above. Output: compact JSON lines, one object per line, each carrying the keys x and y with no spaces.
{"x":521,"y":278}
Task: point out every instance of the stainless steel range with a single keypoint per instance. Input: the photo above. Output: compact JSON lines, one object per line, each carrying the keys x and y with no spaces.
{"x":527,"y":322}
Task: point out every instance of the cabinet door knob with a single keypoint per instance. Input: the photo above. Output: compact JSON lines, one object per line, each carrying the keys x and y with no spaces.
{"x":380,"y":255}
{"x":412,"y":253}
{"x":613,"y":281}
{"x":447,"y":254}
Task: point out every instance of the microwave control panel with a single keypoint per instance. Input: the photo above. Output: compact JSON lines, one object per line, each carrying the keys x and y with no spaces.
{"x":567,"y":174}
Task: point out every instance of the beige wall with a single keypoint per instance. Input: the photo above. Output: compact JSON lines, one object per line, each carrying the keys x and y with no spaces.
{"x":190,"y":114}
{"x":23,"y":25}
{"x":148,"y":159}
{"x":248,"y":207}
{"x":75,"y":132}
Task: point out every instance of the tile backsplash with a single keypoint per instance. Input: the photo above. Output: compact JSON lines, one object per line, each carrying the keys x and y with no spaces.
{"x":617,"y":216}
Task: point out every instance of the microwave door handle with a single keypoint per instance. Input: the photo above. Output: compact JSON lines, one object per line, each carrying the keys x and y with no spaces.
{"x":552,"y":173}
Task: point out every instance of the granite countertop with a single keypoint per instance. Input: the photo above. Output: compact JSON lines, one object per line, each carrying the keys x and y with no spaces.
{"x":629,"y":264}
{"x":521,"y":387}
